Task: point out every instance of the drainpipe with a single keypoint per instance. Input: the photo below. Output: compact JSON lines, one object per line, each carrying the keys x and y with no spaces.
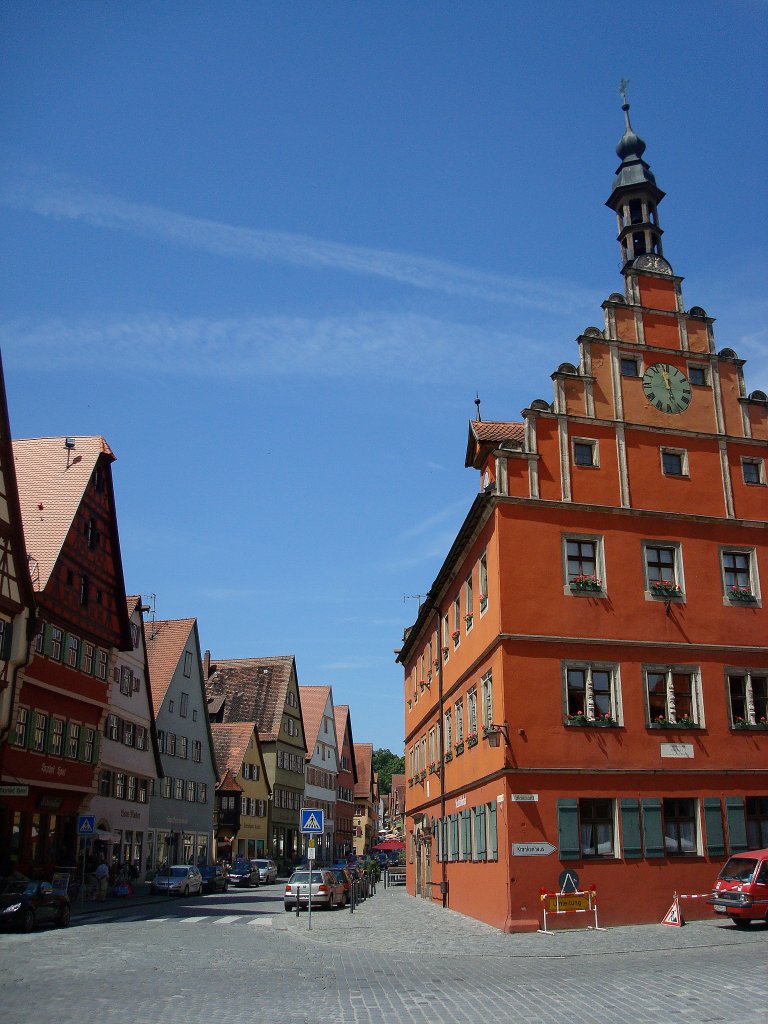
{"x":441,"y":722}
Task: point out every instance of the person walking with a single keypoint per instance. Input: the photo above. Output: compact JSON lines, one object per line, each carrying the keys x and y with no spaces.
{"x":102,"y":880}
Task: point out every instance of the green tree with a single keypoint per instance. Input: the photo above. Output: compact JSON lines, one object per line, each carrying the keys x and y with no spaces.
{"x":387,"y":764}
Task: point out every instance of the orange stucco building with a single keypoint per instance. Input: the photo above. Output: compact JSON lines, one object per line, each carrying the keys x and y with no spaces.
{"x":586,"y":684}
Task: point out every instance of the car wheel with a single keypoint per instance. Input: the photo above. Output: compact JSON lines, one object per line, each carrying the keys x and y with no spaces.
{"x":288,"y":906}
{"x":63,"y":919}
{"x":28,"y":920}
{"x":741,"y":922}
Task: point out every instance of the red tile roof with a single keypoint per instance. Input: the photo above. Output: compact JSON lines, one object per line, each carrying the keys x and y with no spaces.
{"x":230,"y":741}
{"x":485,"y":436}
{"x":364,"y":758}
{"x":254,"y":690}
{"x":52,"y":480}
{"x":343,"y":722}
{"x":166,"y":641}
{"x":313,"y":702}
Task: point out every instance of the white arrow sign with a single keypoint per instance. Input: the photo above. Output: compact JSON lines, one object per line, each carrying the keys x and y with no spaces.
{"x":532,"y":849}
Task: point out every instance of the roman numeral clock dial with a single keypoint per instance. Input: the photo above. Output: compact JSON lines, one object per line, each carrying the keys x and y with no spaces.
{"x":666,"y":388}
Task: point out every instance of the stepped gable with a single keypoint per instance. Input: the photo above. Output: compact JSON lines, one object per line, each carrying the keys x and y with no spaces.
{"x":254,"y":690}
{"x":166,"y":641}
{"x":313,"y":702}
{"x":364,"y":758}
{"x":52,"y":480}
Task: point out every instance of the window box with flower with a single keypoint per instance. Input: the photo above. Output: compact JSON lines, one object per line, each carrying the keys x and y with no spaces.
{"x":456,"y":636}
{"x":683,"y":722}
{"x":468,"y":619}
{"x":599,"y":721}
{"x":744,"y":723}
{"x":741,"y":595}
{"x":483,"y":602}
{"x":472,"y":739}
{"x":410,"y":782}
{"x":665,"y":588}
{"x":582,"y":583}
{"x":423,"y":775}
{"x":448,"y":756}
{"x":459,"y":748}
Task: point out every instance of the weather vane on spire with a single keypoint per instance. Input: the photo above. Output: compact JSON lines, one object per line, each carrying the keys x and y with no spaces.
{"x":625,"y":106}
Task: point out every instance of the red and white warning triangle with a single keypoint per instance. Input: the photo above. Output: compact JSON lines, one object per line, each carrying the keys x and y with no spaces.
{"x":674,"y":915}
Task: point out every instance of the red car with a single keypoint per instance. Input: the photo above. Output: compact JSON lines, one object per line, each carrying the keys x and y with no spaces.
{"x":741,"y":889}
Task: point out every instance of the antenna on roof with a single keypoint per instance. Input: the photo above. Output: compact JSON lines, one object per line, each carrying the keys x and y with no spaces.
{"x":413,"y":597}
{"x":477,"y":403}
{"x":69,"y":444}
{"x":150,"y":608}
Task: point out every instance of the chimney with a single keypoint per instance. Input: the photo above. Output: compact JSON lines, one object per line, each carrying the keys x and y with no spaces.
{"x":206,"y":665}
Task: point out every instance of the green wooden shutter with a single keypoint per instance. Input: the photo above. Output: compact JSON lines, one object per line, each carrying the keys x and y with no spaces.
{"x":48,"y":733}
{"x":480,"y":832}
{"x":653,"y":832}
{"x":568,"y":829}
{"x":493,"y":842}
{"x":454,"y":836}
{"x":96,"y":744}
{"x":713,"y":826}
{"x":737,"y":824}
{"x":47,"y":630}
{"x":630,"y":828}
{"x":466,"y":833}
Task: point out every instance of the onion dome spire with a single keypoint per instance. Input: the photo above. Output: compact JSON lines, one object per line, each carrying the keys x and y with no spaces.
{"x":635,"y":195}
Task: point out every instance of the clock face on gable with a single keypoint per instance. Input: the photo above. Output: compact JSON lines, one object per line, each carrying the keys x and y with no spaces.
{"x":666,"y":388}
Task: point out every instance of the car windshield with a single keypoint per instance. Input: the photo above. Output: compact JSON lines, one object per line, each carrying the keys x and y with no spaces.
{"x":738,"y":869}
{"x":178,"y":872}
{"x":261,"y":863}
{"x":303,"y":877}
{"x":241,"y":865}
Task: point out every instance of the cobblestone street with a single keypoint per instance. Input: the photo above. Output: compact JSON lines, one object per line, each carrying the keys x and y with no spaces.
{"x":238,"y":957}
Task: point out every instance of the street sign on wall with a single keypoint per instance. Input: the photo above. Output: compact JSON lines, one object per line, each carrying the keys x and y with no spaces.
{"x":532,"y":849}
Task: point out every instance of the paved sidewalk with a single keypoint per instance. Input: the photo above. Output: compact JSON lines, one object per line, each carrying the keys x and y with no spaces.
{"x":408,"y":925}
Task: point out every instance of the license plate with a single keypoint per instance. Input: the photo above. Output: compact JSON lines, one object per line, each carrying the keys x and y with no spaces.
{"x":720,"y":910}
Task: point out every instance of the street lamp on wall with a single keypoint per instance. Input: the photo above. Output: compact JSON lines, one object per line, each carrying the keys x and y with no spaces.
{"x":494,"y":732}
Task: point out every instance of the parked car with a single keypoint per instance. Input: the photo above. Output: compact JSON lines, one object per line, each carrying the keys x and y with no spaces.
{"x":25,"y":904}
{"x":345,"y":878}
{"x":215,"y":878}
{"x":178,"y":880}
{"x":327,"y":890}
{"x":741,"y":889}
{"x":243,"y":873}
{"x":267,"y":870}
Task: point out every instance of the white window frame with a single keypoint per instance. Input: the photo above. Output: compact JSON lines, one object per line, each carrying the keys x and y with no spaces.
{"x":486,"y":700}
{"x":754,"y":717}
{"x":682,"y":454}
{"x":446,"y":637}
{"x":751,"y":461}
{"x":599,"y":574}
{"x":472,"y":721}
{"x":671,"y":714}
{"x":482,"y":581}
{"x":631,"y":357}
{"x":458,"y":710}
{"x":704,"y":367}
{"x":594,"y":447}
{"x":469,"y":612}
{"x":456,"y":631}
{"x":677,"y":569}
{"x":753,"y":584}
{"x":589,"y":710}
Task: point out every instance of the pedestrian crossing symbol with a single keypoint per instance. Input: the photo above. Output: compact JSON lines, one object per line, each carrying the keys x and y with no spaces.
{"x":86,"y":824}
{"x":312,"y":821}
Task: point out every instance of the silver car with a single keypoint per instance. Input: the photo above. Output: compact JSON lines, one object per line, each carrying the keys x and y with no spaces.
{"x":178,"y":880}
{"x":267,"y":870}
{"x":327,"y":890}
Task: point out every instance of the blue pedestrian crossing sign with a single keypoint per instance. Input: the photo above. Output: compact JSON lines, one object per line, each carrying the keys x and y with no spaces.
{"x":86,"y":825}
{"x":312,"y":821}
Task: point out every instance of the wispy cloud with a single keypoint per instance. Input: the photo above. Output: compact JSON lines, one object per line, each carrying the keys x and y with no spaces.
{"x":52,"y":197}
{"x":385,"y":345}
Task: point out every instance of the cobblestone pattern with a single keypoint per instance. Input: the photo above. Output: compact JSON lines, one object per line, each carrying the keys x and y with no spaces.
{"x":240,"y":957}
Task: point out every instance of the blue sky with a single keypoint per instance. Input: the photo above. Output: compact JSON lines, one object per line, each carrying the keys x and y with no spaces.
{"x":271,"y":251}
